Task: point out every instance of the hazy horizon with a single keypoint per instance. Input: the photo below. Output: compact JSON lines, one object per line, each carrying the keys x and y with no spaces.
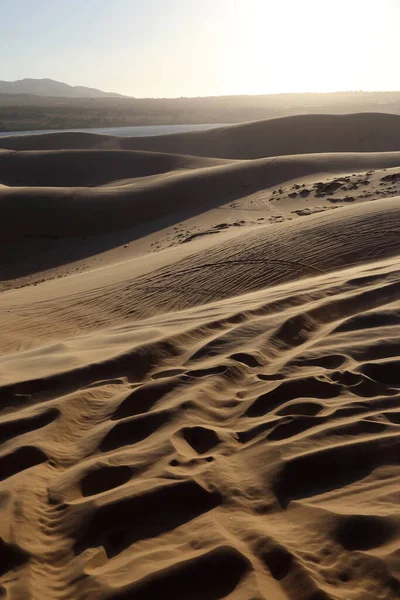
{"x":179,"y":48}
{"x":390,"y":91}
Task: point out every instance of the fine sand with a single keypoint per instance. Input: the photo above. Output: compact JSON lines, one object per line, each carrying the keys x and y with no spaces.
{"x":199,"y":369}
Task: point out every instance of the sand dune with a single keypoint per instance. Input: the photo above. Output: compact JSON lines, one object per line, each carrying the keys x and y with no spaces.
{"x":199,"y":369}
{"x":301,"y":134}
{"x":50,"y":210}
{"x":75,"y":168}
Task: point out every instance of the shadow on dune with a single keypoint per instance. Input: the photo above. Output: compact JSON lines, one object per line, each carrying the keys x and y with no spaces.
{"x":43,"y":227}
{"x":74,"y":195}
{"x":298,"y":134}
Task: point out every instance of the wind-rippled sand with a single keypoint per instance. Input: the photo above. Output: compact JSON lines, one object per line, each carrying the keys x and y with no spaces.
{"x":200,"y":363}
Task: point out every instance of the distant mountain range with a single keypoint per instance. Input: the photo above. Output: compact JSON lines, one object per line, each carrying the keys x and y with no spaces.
{"x":51,"y":88}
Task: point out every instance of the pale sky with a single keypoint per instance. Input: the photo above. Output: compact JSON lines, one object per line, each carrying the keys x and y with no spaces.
{"x":172,"y":48}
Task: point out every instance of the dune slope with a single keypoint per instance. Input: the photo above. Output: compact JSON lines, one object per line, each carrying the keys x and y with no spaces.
{"x":199,"y":374}
{"x":299,"y":134}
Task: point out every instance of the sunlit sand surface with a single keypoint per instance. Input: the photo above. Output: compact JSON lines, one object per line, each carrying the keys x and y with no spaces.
{"x":200,"y":363}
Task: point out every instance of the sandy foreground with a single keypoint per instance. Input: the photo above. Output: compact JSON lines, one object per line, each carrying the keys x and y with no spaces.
{"x":199,"y":370}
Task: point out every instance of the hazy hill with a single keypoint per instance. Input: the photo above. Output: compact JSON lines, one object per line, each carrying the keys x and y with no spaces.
{"x":49,"y":87}
{"x":22,"y":112}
